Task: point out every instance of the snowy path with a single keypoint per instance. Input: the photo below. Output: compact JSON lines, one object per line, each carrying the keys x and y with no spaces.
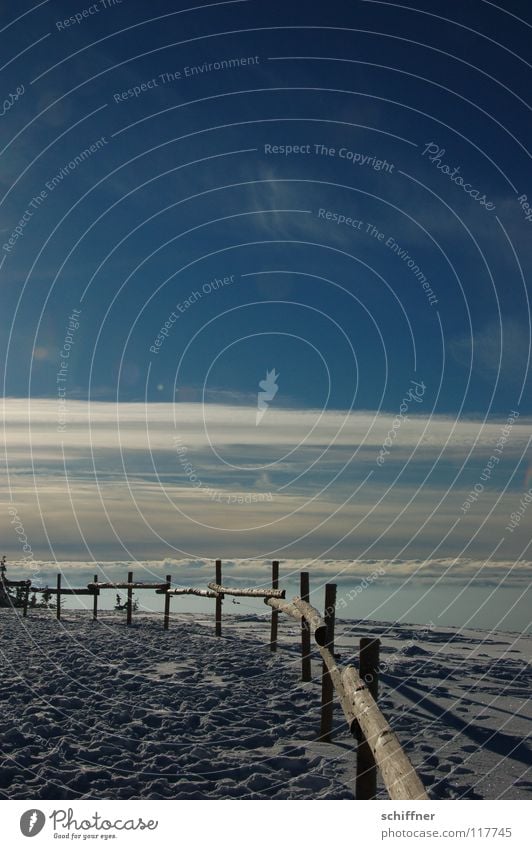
{"x":96,"y":710}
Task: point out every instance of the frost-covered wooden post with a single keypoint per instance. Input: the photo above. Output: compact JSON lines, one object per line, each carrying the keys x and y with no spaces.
{"x":167,"y":603}
{"x":366,"y":779}
{"x":26,"y":599}
{"x":275,"y":613}
{"x":304,"y":592}
{"x":95,"y":600}
{"x":327,"y":687}
{"x":5,"y":597}
{"x":218,"y":603}
{"x":58,"y":597}
{"x":129,"y":607}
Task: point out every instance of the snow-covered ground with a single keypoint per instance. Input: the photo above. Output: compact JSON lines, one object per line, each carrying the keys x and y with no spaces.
{"x":99,"y":710}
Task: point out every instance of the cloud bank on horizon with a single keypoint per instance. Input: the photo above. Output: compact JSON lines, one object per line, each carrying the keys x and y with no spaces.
{"x":148,"y":481}
{"x":346,"y":573}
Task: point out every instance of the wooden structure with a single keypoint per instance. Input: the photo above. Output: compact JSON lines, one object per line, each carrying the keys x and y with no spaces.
{"x":128,"y":585}
{"x":217,"y":591}
{"x":95,"y":601}
{"x":377,"y":743}
{"x":299,"y":609}
{"x":7,"y":599}
{"x":399,"y":776}
{"x":219,"y":600}
{"x":327,"y":686}
{"x":59,"y":591}
{"x":306,"y":670}
{"x":63,"y":590}
{"x":368,"y":669}
{"x":188,"y":591}
{"x":378,"y":748}
{"x":275,"y":614}
{"x":249,"y":593}
{"x":166,"y":622}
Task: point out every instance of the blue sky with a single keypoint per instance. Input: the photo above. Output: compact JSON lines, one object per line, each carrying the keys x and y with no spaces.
{"x":192,"y":197}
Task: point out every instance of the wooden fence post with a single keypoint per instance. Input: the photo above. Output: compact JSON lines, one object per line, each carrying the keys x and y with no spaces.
{"x":95,"y":601}
{"x":304,"y":592}
{"x":218,"y":603}
{"x":58,"y":597}
{"x":366,"y":778}
{"x":167,"y":604}
{"x":275,"y":613}
{"x":129,"y":606}
{"x":327,"y":687}
{"x":26,"y":597}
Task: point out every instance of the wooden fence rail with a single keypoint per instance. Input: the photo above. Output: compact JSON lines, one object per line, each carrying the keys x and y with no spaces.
{"x":250,"y":593}
{"x":218,"y":591}
{"x":24,"y":584}
{"x":298,"y":609}
{"x":188,"y":591}
{"x":400,"y":778}
{"x":63,"y":590}
{"x":15,"y":583}
{"x":361,"y":711}
{"x":130,"y":585}
{"x":368,"y":669}
{"x":127,"y":585}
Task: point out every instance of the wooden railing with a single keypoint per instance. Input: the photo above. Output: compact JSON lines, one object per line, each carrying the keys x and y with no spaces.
{"x":378,"y":747}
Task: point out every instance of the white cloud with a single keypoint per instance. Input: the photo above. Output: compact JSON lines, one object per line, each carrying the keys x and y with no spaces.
{"x":499,"y":349}
{"x":140,"y":426}
{"x":112,"y":485}
{"x":241,"y":572}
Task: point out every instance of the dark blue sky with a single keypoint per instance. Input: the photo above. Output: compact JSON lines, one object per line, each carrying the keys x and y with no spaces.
{"x":182,"y":192}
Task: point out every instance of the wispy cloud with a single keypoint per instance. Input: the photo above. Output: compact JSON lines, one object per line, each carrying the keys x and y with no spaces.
{"x":498,"y":349}
{"x":303,"y":484}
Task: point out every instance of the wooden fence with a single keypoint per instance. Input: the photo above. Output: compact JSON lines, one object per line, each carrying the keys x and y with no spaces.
{"x":378,"y":747}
